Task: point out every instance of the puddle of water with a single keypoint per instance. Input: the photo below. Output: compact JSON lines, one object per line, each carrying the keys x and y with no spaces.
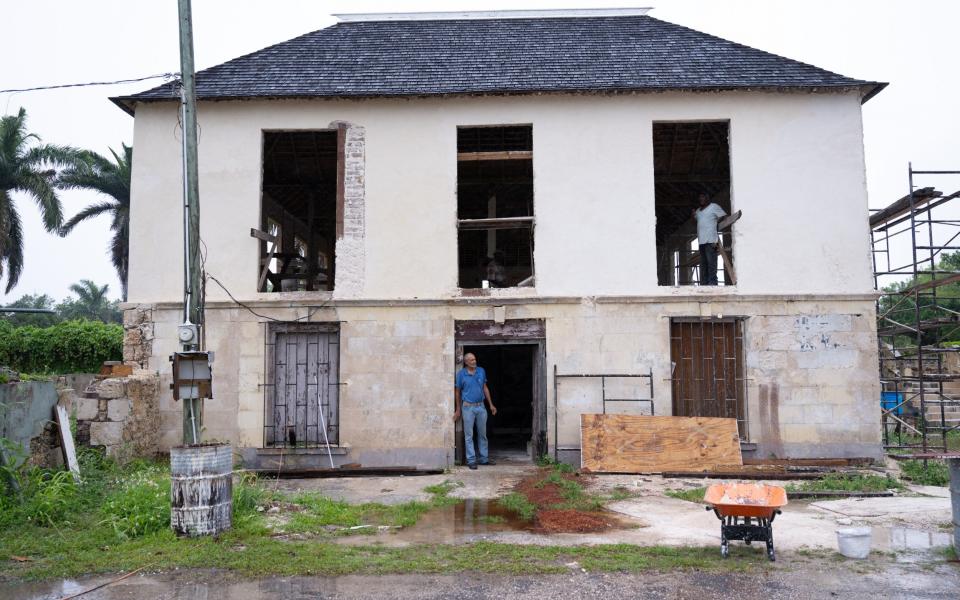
{"x":43,"y":590}
{"x":898,"y":539}
{"x":472,"y":517}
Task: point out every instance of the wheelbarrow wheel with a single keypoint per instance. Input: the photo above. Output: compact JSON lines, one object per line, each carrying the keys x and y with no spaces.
{"x":771,"y":554}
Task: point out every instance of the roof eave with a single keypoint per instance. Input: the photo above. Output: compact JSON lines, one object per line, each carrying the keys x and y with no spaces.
{"x":126,"y":104}
{"x":869,"y":90}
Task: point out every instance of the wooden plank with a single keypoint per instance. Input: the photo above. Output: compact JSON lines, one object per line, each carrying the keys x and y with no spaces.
{"x":902,"y":206}
{"x":505,"y":155}
{"x":66,"y":442}
{"x":727,"y":265}
{"x":301,"y":391}
{"x":496,"y":223}
{"x":754,"y":476}
{"x":347,"y":472}
{"x":729,"y":220}
{"x":280,"y":391}
{"x":314,"y":381}
{"x":839,"y":494}
{"x":512,"y":329}
{"x":332,"y":387}
{"x":632,"y":444}
{"x":808,"y":462}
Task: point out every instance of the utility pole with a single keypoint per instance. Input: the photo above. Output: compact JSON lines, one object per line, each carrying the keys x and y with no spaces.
{"x":189,"y":333}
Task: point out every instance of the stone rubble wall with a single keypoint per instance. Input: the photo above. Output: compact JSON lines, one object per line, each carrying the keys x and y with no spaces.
{"x":122,"y":415}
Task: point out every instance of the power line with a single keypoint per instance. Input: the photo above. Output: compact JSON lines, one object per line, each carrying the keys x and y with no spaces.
{"x":91,"y":83}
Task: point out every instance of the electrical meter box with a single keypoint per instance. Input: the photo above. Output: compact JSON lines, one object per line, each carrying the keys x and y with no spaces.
{"x":192,"y":375}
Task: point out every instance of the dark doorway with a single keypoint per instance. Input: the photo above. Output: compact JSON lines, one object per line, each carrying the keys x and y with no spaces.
{"x":510,"y":378}
{"x":513,"y":354}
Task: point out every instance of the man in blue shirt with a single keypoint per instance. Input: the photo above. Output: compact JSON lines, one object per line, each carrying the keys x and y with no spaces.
{"x":470,"y":391}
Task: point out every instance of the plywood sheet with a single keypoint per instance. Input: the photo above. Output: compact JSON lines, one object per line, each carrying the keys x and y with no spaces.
{"x":636,"y":444}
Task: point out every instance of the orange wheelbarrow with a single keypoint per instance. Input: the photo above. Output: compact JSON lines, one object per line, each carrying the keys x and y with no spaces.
{"x":746,"y":512}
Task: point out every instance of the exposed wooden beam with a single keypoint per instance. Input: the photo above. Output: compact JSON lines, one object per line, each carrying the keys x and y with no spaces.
{"x":498,"y":223}
{"x":506,"y":155}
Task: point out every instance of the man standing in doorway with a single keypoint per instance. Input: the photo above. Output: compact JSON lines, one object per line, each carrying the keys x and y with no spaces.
{"x":707,"y":216}
{"x":470,"y":391}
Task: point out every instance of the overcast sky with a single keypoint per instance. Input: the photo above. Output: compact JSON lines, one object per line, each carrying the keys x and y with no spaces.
{"x":911,"y":45}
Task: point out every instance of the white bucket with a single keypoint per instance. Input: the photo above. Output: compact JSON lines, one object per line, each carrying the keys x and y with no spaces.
{"x":854,"y":542}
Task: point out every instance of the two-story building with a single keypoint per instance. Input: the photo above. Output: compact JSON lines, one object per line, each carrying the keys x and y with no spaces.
{"x":518,"y":184}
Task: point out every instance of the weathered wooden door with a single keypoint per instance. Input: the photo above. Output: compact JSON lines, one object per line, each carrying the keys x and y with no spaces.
{"x":708,"y":370}
{"x":304,"y":364}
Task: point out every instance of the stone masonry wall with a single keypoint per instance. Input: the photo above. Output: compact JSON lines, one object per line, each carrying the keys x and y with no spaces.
{"x":349,"y":250}
{"x":138,"y":335}
{"x":122,"y":415}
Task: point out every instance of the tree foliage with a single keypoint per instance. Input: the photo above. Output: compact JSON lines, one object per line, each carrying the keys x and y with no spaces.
{"x":42,"y":301}
{"x":29,"y":167}
{"x":91,"y":302}
{"x":901,"y":307}
{"x":110,"y":177}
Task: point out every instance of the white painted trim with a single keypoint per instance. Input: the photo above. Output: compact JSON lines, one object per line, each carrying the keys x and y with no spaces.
{"x":493,"y":14}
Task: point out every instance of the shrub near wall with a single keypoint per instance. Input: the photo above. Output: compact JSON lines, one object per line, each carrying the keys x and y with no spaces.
{"x":70,"y":347}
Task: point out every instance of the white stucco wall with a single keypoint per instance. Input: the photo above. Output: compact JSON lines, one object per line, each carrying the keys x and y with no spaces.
{"x":797,"y":173}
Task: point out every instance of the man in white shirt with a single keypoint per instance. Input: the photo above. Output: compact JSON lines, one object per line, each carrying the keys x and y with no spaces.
{"x":707,"y":216}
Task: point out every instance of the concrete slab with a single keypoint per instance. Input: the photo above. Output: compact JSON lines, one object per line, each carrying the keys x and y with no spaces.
{"x":930,"y":490}
{"x":904,"y":509}
{"x":484,"y":483}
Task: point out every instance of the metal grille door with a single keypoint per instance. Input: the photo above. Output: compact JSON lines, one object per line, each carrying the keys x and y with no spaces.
{"x":708,"y":374}
{"x":302,"y":392}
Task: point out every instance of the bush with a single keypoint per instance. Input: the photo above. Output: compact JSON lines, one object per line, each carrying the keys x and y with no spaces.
{"x":70,"y":347}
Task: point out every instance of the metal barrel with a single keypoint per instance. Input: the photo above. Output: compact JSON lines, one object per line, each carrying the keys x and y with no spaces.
{"x":954,"y":465}
{"x":201,"y":489}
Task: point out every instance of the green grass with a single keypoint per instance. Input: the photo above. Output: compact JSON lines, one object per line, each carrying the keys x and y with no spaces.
{"x":493,"y":519}
{"x":847,"y":482}
{"x":934,"y":473}
{"x":117,"y":520}
{"x":518,"y":503}
{"x":690,"y":495}
{"x":321,"y":513}
{"x":249,"y":554}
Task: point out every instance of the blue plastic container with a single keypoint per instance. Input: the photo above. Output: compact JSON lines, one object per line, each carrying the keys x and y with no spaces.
{"x":888,"y":400}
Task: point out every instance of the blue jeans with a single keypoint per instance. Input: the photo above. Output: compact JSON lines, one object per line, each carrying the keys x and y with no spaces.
{"x":475,"y":414}
{"x":708,"y":264}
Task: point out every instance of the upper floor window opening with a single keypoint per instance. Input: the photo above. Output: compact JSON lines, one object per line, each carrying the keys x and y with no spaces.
{"x":299,"y":199}
{"x":691,"y":161}
{"x":495,"y":206}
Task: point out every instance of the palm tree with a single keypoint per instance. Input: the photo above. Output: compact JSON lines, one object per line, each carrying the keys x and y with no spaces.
{"x":27,"y":166}
{"x":112,"y":179}
{"x":91,"y":303}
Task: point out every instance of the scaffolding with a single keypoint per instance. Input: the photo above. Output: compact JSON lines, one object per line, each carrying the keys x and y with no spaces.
{"x":918,"y":314}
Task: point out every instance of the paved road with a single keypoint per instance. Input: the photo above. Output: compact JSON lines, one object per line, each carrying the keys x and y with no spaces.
{"x":811,"y":580}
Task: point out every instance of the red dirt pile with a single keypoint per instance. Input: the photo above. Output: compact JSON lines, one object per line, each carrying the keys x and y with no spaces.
{"x":548,"y":498}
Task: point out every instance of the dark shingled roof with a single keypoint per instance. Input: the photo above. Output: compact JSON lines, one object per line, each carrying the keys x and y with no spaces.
{"x":363,"y":59}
